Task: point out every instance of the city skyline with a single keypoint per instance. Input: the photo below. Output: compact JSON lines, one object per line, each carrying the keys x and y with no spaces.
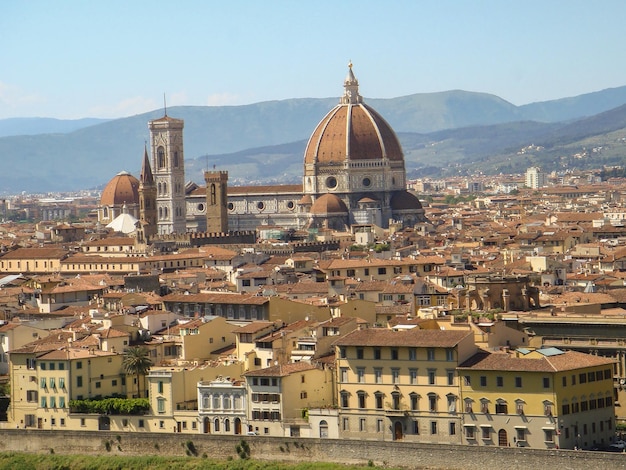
{"x":71,"y":59}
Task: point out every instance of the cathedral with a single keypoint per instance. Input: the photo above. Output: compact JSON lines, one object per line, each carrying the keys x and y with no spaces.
{"x":354,"y":173}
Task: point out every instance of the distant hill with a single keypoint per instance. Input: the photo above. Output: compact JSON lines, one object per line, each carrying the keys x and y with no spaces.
{"x":264,"y":142}
{"x":34,"y":126}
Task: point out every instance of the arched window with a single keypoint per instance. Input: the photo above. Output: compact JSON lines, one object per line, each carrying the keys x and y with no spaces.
{"x":227,"y":425}
{"x":216,"y":425}
{"x":323,"y":429}
{"x":206,"y":401}
{"x":161,"y":157}
{"x":213,"y":195}
{"x":164,"y":188}
{"x":105,"y":212}
{"x":160,"y":212}
{"x":175,"y":159}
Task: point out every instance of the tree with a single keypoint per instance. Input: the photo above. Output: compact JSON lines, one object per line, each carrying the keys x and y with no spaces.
{"x":137,"y":362}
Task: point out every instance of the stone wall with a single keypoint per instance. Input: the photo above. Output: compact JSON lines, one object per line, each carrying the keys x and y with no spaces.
{"x":398,"y":454}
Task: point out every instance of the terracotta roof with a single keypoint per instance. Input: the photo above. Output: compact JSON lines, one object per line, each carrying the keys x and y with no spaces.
{"x":413,"y":337}
{"x":569,"y":360}
{"x":217,"y":298}
{"x":281,"y":370}
{"x":122,"y":189}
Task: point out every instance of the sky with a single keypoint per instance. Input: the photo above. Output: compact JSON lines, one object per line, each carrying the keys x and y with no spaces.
{"x":71,"y":59}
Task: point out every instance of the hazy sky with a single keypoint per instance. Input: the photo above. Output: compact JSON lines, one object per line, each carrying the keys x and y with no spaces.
{"x":114,"y":58}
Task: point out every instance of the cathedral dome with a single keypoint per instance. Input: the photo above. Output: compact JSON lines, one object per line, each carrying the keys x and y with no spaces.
{"x":122,"y":189}
{"x":404,"y":200}
{"x":352,"y":131}
{"x":328,"y":204}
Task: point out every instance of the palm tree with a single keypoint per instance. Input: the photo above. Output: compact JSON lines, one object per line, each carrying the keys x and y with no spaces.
{"x":137,"y":362}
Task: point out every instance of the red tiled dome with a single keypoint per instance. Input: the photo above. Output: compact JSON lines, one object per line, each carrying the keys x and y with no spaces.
{"x":122,"y":189}
{"x":328,"y":204}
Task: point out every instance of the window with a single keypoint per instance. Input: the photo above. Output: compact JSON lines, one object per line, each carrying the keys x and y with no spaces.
{"x":346,"y":424}
{"x":342,"y":352}
{"x":483,"y":381}
{"x":468,"y":405}
{"x":395,"y":400}
{"x":53,"y":402}
{"x":467,"y":380}
{"x":470,"y":432}
{"x":359,"y":353}
{"x":79,"y":364}
{"x":546,"y":382}
{"x":449,"y":355}
{"x":501,"y":407}
{"x":379,"y":400}
{"x":591,"y":377}
{"x":42,"y":382}
{"x":416,"y":427}
{"x":499,"y":381}
{"x":360,"y":373}
{"x":430,"y":354}
{"x":451,"y":403}
{"x":518,"y":382}
{"x":564,"y":381}
{"x":548,"y":435}
{"x":98,"y":384}
{"x":61,"y":365}
{"x":361,"y":397}
{"x":42,"y":365}
{"x":161,"y":405}
{"x":412,"y":354}
{"x":414,"y":398}
{"x":573,"y":379}
{"x":582,"y":378}
{"x":519,"y":407}
{"x":433,"y":427}
{"x":484,"y":406}
{"x":413,"y":376}
{"x":452,"y":428}
{"x":377,"y":353}
{"x":362,"y":426}
{"x":382,"y":271}
{"x":61,"y":402}
{"x":345,"y":402}
{"x":44,"y":402}
{"x":394,"y":354}
{"x":32,"y":396}
{"x":547,"y":409}
{"x":431,"y":376}
{"x":343,"y":374}
{"x":565,"y":409}
{"x":378,"y":375}
{"x":450,"y":376}
{"x":432,"y":402}
{"x":395,"y":375}
{"x":486,"y":432}
{"x":520,"y":434}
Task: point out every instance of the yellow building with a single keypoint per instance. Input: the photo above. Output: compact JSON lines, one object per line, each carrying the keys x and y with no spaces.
{"x":279,"y":397}
{"x":543,"y":398}
{"x":401,"y":385}
{"x":45,"y":376}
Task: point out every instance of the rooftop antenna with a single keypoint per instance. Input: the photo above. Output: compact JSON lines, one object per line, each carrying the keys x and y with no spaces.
{"x":164,"y":104}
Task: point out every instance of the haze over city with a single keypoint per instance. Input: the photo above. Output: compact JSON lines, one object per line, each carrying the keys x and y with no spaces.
{"x":72,"y":59}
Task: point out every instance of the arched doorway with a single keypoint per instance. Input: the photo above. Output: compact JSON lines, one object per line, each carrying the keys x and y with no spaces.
{"x":206,"y":425}
{"x":503,"y":440}
{"x":397,"y":431}
{"x":237,"y":426}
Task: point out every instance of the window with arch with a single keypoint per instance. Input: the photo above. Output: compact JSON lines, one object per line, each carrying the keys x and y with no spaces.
{"x":105,"y":212}
{"x":175,"y":159}
{"x":227,"y":425}
{"x":206,"y":401}
{"x":216,"y":425}
{"x":160,"y":157}
{"x":160,"y":212}
{"x":361,"y":398}
{"x":323,"y":429}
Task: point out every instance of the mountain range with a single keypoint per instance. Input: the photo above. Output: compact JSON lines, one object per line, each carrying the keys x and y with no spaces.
{"x":446,"y":133}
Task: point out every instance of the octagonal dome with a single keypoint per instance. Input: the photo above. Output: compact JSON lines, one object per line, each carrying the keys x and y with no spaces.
{"x":352,"y":131}
{"x":122,"y":189}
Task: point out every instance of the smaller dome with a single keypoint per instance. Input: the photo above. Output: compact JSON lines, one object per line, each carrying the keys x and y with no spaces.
{"x":305,"y":200}
{"x":404,"y":200}
{"x":329,"y":204}
{"x":122,"y":189}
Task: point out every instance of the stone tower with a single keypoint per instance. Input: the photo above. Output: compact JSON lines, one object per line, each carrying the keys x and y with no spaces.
{"x":216,"y":201}
{"x":147,"y":199}
{"x":168,"y":167}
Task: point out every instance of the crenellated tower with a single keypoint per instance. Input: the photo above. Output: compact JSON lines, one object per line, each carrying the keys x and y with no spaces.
{"x":216,"y":201}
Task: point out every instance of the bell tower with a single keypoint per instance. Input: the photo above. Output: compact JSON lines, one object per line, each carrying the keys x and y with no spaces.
{"x":216,"y":201}
{"x":168,"y":167}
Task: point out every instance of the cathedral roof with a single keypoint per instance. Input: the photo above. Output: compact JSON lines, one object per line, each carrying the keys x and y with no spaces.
{"x":352,"y":131}
{"x":404,"y":200}
{"x":122,"y":189}
{"x":328,"y":204}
